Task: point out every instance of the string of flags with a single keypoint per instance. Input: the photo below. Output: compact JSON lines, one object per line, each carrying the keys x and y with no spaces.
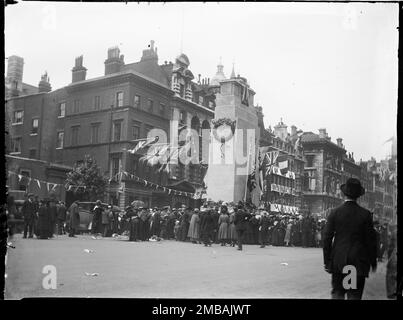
{"x":120,"y":175}
{"x":50,"y":186}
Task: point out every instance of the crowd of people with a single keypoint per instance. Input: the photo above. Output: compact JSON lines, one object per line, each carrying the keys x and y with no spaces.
{"x":214,"y":223}
{"x":220,"y":224}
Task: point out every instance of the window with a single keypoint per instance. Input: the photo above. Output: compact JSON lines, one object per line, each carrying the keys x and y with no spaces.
{"x":16,"y":145}
{"x":62,"y":109}
{"x":136,"y":131}
{"x":182,"y":117}
{"x":35,"y":125}
{"x":182,"y":90}
{"x":201,"y":100}
{"x":137,"y":101}
{"x":32,"y":153}
{"x":74,"y":135}
{"x":94,"y":132}
{"x":150,"y":105}
{"x":60,"y":140}
{"x":211,"y":104}
{"x":115,"y":166}
{"x":162,"y":109}
{"x":119,"y":99}
{"x":76,"y":106}
{"x":18,"y":116}
{"x":97,"y":102}
{"x":117,"y":128}
{"x":23,"y":185}
{"x":309,"y":161}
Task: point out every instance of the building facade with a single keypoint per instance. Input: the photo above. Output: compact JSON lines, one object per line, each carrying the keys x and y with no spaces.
{"x":106,"y":116}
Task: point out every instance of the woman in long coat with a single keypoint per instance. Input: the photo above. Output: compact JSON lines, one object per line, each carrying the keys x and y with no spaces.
{"x":232,"y":230}
{"x":44,"y":223}
{"x":223,"y":222}
{"x":194,"y":227}
{"x":287,"y":237}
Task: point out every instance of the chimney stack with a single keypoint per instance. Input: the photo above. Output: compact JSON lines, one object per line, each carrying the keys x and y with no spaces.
{"x":340,"y":142}
{"x":114,"y":62}
{"x":79,"y":72}
{"x":44,"y":85}
{"x":322,"y":133}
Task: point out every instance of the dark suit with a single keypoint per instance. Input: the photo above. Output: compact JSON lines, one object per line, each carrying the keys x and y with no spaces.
{"x":206,"y":227}
{"x":29,"y":210}
{"x":264,"y":227}
{"x":241,"y":221}
{"x":350,"y":228}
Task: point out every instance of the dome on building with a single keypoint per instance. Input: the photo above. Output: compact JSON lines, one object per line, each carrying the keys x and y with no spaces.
{"x":183,"y":59}
{"x":219,"y":76}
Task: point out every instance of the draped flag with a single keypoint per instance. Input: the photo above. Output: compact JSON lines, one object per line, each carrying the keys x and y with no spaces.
{"x":261,"y":161}
{"x":252,"y":180}
{"x":271,"y":157}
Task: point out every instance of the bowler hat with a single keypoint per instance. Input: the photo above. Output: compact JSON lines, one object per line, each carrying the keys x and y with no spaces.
{"x":352,"y":188}
{"x":30,"y":195}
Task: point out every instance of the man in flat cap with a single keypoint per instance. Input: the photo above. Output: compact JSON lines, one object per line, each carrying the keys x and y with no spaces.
{"x":349,"y":244}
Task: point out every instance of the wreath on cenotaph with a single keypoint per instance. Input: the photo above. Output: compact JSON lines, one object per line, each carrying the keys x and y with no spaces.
{"x":223,"y":129}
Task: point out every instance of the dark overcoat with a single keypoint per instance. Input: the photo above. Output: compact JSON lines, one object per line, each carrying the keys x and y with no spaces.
{"x":207,"y":224}
{"x":349,"y":239}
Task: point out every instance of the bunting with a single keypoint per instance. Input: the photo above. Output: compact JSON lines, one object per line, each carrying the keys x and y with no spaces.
{"x":156,"y":186}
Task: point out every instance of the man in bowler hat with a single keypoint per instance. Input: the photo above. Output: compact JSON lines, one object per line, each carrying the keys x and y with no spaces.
{"x":349,"y":243}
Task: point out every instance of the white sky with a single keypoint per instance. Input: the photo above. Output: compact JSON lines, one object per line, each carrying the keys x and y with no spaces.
{"x":331,"y":65}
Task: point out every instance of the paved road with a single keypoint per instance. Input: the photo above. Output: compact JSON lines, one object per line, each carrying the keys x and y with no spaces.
{"x":169,"y":269}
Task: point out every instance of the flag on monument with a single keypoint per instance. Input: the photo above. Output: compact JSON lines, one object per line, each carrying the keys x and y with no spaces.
{"x":252,"y":181}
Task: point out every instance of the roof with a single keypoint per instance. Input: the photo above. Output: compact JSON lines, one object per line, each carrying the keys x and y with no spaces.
{"x":125,"y":71}
{"x":150,"y":69}
{"x":310,"y":137}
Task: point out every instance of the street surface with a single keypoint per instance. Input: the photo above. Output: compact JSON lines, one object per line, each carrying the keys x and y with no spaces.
{"x":169,"y":269}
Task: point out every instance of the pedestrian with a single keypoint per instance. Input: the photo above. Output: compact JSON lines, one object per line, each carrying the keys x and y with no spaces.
{"x":134,"y":224}
{"x":391,"y":265}
{"x":176,"y":230}
{"x":61,"y":218}
{"x":194,"y":227}
{"x":349,"y":240}
{"x":105,"y":221}
{"x":223,"y":223}
{"x":96,"y":227}
{"x":241,"y":220}
{"x":74,"y":219}
{"x":207,"y":224}
{"x":216,"y":217}
{"x":232,"y":229}
{"x":263,"y":228}
{"x":52,"y":217}
{"x":44,"y":220}
{"x":29,"y":209}
{"x":287,"y":237}
{"x":155,"y":226}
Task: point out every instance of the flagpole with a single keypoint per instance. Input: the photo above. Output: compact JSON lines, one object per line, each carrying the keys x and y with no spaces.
{"x":247,"y":171}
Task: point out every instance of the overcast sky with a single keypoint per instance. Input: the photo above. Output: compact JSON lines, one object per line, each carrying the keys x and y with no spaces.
{"x":330,"y":65}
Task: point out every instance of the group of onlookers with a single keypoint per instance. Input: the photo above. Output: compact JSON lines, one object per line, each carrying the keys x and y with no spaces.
{"x":220,"y":223}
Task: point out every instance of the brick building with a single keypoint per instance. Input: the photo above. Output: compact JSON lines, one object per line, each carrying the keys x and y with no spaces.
{"x":104,"y":117}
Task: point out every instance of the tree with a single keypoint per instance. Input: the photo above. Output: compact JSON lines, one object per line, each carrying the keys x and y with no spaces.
{"x":86,"y":180}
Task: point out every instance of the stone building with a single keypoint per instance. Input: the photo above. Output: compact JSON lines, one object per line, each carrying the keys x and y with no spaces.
{"x":323,"y":171}
{"x":283,"y":178}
